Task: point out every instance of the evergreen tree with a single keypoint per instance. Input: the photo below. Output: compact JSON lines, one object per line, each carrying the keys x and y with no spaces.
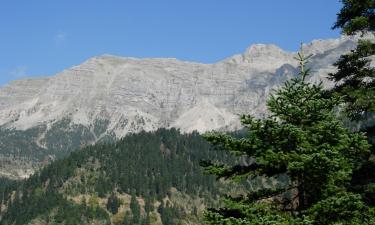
{"x":149,"y":207}
{"x":167,"y":213}
{"x":304,"y":140}
{"x":113,"y":203}
{"x":355,"y":78}
{"x":136,"y":209}
{"x":355,"y":84}
{"x":356,"y":15}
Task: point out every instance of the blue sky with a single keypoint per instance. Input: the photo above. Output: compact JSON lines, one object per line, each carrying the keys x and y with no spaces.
{"x":43,"y":37}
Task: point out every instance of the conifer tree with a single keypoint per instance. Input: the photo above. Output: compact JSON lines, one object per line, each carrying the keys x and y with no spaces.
{"x":113,"y":203}
{"x":355,"y":78}
{"x":355,"y":84}
{"x":356,"y":15}
{"x":148,"y":205}
{"x":301,"y":138}
{"x":136,"y":210}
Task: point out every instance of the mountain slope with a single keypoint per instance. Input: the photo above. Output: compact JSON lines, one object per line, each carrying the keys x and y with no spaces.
{"x":107,"y":97}
{"x":153,"y":93}
{"x":157,"y":171}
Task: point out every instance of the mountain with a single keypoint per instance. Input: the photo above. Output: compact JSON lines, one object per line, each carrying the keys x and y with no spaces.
{"x":107,"y":97}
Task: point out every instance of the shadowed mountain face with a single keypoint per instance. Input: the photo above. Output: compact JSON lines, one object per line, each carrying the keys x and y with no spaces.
{"x":107,"y":97}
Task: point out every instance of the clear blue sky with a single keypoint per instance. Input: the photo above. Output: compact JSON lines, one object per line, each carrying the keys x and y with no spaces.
{"x":43,"y":37}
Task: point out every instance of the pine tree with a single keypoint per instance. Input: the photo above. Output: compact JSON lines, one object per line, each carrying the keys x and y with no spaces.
{"x":304,"y":140}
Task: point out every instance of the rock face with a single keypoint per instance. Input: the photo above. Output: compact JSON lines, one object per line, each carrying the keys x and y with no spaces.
{"x":145,"y":94}
{"x":129,"y":95}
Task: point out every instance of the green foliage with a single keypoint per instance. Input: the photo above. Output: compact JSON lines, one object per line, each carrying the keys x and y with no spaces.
{"x":168,"y":214}
{"x":65,"y":136}
{"x":244,"y":213}
{"x":93,"y":202}
{"x":19,"y":143}
{"x":58,"y":140}
{"x":148,"y":164}
{"x":355,"y":84}
{"x":127,"y":219}
{"x":51,"y":206}
{"x":113,"y":203}
{"x":345,"y":208}
{"x":149,"y":205}
{"x":136,"y":210}
{"x":355,"y":81}
{"x":7,"y":187}
{"x":303,"y":139}
{"x":356,"y":15}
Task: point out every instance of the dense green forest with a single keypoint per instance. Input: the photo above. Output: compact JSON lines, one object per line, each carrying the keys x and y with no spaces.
{"x":142,"y":179}
{"x":58,"y":140}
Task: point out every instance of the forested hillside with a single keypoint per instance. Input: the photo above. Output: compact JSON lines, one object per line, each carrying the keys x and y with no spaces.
{"x":146,"y":178}
{"x":23,"y":151}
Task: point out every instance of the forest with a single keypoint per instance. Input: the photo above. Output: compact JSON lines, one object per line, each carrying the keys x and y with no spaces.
{"x":148,"y":166}
{"x":310,"y":161}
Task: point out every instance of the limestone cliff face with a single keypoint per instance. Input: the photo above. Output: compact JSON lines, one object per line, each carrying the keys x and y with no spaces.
{"x":145,"y":94}
{"x":107,"y":97}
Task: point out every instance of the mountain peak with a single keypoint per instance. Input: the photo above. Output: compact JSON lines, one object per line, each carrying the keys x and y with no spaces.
{"x":161,"y":91}
{"x":109,"y":96}
{"x":263,"y":57}
{"x":257,"y":50}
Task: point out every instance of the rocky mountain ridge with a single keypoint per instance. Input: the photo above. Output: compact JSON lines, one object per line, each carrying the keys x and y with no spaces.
{"x":145,"y":94}
{"x":107,"y":97}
